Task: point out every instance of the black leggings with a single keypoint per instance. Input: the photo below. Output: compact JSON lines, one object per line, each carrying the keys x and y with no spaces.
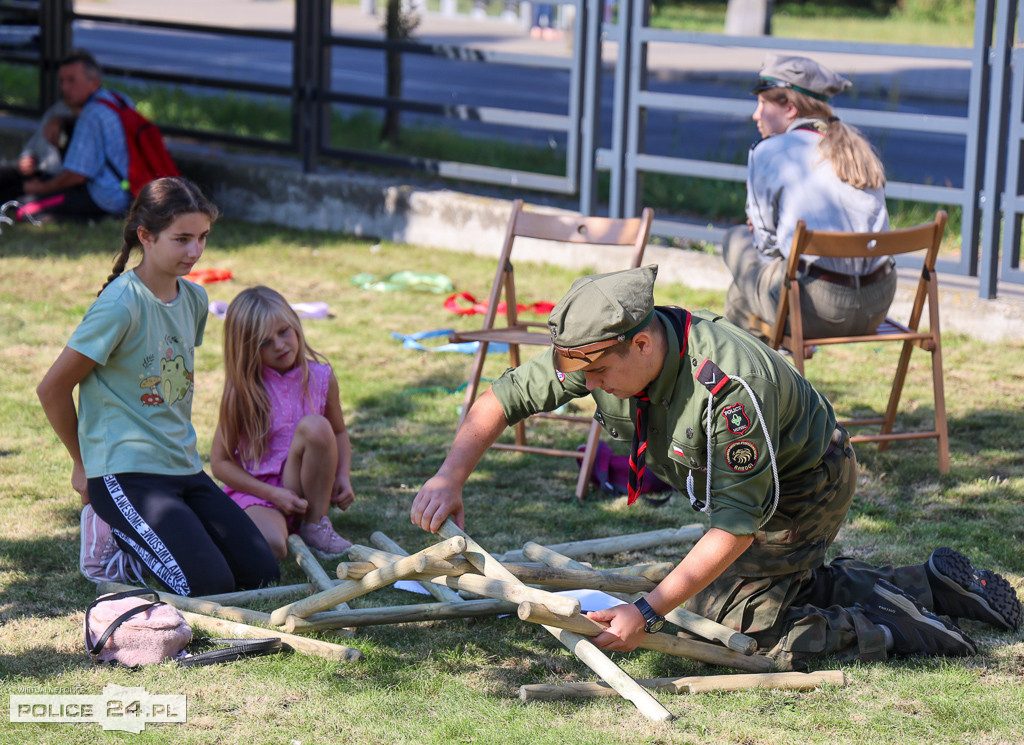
{"x":190,"y":535}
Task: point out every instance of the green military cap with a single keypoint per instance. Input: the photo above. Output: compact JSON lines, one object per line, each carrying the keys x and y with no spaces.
{"x":598,"y":312}
{"x":801,"y":74}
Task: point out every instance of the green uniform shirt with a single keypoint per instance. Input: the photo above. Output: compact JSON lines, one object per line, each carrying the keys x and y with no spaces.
{"x":785,"y":408}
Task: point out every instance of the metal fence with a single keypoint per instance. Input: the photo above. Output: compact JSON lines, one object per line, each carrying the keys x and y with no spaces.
{"x":990,"y":129}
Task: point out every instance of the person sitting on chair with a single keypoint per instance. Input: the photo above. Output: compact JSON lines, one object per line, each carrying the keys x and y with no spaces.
{"x":809,"y":166}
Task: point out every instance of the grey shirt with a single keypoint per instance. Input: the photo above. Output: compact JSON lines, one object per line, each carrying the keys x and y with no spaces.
{"x":789,"y":179}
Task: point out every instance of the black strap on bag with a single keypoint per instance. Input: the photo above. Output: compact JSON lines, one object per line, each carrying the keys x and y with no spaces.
{"x":235,"y":649}
{"x":95,"y":649}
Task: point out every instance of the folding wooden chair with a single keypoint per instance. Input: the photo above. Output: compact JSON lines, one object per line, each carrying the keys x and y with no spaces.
{"x":557,"y":230}
{"x":924,"y":238}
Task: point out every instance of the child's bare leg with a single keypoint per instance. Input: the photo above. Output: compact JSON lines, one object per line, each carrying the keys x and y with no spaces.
{"x":311,"y":465}
{"x":273,"y":526}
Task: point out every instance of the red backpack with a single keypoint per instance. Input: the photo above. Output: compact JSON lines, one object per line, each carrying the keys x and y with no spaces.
{"x":148,"y":158}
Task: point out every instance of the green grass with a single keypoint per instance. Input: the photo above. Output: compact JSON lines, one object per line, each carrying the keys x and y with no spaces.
{"x":952,"y":27}
{"x":456,"y":681}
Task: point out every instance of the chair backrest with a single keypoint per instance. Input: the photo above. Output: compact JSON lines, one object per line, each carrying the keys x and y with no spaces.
{"x":926,"y":238}
{"x":567,"y":229}
{"x":868,"y":245}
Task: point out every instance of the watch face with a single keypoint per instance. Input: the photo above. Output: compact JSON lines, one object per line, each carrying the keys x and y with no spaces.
{"x":653,"y":627}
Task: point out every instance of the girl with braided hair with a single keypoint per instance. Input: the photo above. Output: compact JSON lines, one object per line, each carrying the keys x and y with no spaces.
{"x":148,"y":504}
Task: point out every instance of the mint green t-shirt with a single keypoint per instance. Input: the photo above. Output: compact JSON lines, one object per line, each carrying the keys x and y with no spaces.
{"x":135,"y":406}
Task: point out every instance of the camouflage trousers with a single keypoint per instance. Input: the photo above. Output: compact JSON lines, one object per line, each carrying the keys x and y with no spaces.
{"x":782,"y":594}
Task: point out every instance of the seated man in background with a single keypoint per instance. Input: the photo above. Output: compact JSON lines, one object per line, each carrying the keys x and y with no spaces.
{"x":808,"y":166}
{"x":89,"y":185}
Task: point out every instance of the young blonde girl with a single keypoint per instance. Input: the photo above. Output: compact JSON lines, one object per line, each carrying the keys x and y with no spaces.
{"x":135,"y":464}
{"x":281,"y":446}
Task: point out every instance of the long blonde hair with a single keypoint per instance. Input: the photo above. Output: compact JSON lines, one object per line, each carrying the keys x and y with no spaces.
{"x":252,"y":318}
{"x":850,"y":154}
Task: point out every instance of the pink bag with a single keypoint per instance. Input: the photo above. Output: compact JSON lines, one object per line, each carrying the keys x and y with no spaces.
{"x":134,"y":628}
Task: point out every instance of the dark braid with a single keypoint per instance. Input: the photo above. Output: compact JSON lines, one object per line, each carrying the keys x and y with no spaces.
{"x":159,"y":204}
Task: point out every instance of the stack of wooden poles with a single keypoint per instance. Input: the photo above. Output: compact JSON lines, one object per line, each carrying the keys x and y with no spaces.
{"x":518,"y":582}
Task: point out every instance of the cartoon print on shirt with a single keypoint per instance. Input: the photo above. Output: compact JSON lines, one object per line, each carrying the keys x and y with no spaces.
{"x":173,"y":383}
{"x":177,"y":379}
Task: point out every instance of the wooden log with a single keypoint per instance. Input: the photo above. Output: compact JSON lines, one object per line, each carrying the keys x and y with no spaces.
{"x":619,"y":543}
{"x":674,"y":645}
{"x":378,"y":557}
{"x":438,"y":592}
{"x":354,"y":569}
{"x":532,"y":574}
{"x":579,"y":645}
{"x":513,"y":592}
{"x":684,"y":619}
{"x":309,"y":564}
{"x":373,"y":581}
{"x":302,"y":644}
{"x":705,"y":628}
{"x":693,"y":684}
{"x":623,"y":684}
{"x":196,"y":605}
{"x":399,"y":614}
{"x":240,"y":597}
{"x":780,"y":681}
{"x":655,"y":572}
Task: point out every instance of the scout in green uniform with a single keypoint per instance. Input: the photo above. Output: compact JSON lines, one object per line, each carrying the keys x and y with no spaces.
{"x":730,"y":423}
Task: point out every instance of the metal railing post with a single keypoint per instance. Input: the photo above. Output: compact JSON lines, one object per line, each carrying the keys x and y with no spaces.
{"x":620,"y":109}
{"x":637,"y":116}
{"x":54,"y":44}
{"x":1012,"y":203}
{"x":995,"y":149}
{"x":312,"y":17}
{"x":589,"y":56}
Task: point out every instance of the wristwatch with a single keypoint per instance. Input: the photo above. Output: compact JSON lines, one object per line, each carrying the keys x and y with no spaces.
{"x":653,"y":622}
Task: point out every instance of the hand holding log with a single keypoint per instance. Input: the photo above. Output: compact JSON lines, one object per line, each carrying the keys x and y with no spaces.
{"x":674,"y":645}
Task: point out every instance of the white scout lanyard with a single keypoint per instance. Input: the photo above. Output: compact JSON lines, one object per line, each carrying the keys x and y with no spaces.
{"x":714,"y":384}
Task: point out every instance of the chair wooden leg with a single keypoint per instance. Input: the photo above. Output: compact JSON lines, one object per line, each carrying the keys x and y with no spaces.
{"x":895,"y":393}
{"x":587,"y":464}
{"x":941,"y":425}
{"x":474,"y":382}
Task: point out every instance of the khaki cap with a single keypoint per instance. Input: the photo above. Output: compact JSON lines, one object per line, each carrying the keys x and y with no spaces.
{"x":801,"y":74}
{"x":598,"y":312}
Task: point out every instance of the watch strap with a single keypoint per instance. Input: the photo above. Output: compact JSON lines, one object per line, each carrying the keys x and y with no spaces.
{"x":651,"y":616}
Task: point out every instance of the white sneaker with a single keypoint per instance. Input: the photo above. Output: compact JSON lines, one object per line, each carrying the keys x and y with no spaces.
{"x":100,"y":559}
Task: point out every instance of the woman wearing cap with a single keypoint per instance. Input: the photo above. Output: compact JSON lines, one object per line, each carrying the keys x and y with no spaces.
{"x":808,"y":166}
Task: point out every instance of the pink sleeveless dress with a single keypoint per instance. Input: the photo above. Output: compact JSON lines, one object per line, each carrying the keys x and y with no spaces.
{"x":288,"y":404}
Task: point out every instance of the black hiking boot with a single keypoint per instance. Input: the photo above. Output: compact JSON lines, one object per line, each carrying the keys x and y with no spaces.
{"x":915,"y":630}
{"x":961,"y":591}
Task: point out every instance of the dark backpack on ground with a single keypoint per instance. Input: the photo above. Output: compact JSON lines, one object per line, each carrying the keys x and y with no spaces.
{"x":148,"y":158}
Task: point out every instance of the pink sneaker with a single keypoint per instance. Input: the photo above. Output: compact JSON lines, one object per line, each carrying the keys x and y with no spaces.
{"x":323,"y":540}
{"x":100,"y":559}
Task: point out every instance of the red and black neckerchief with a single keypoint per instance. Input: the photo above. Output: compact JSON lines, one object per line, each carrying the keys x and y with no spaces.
{"x":680,"y":320}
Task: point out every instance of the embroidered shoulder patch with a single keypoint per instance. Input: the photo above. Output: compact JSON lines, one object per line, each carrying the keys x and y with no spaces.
{"x":736,"y":419}
{"x":741,"y":456}
{"x":711,"y":376}
{"x":560,"y":375}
